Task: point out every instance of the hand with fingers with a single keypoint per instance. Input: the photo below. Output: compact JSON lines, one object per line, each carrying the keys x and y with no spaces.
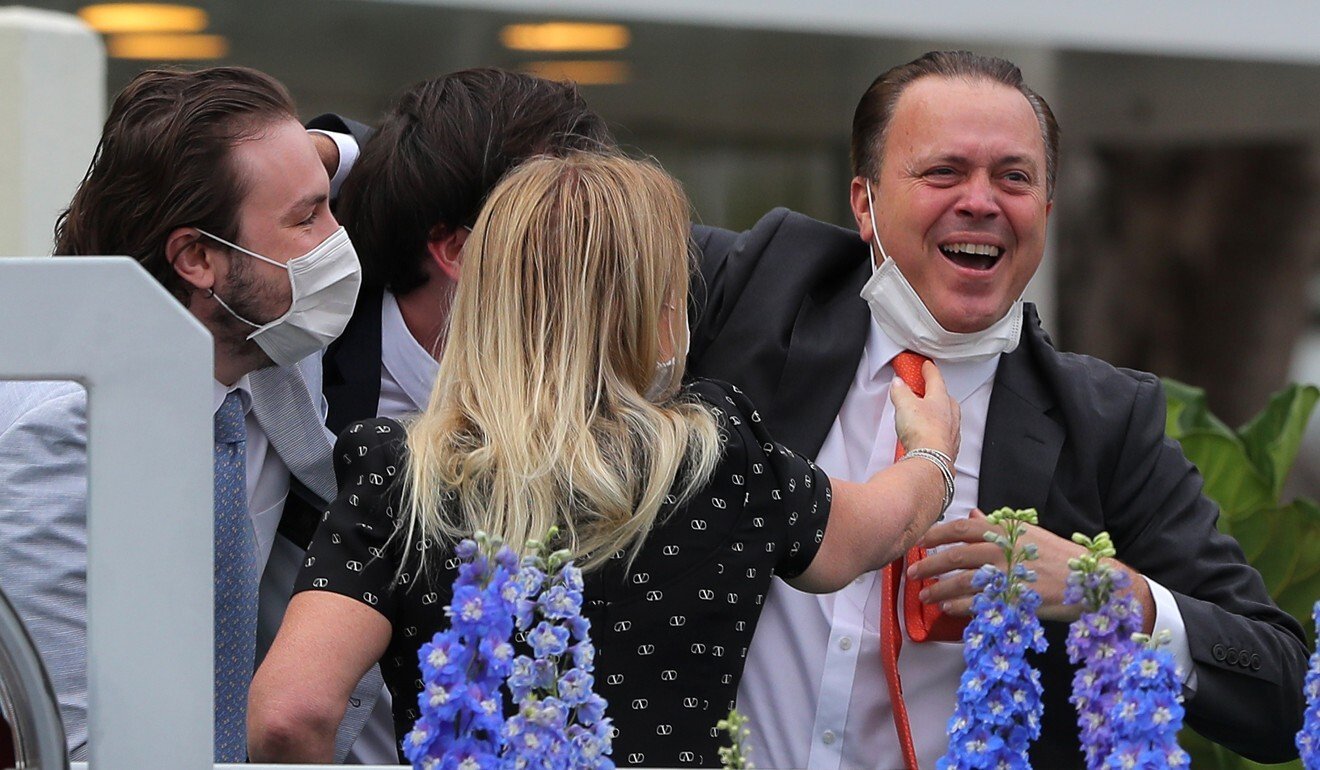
{"x":931,"y":420}
{"x":967,"y":549}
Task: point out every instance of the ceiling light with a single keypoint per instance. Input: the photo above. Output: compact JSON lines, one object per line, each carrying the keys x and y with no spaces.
{"x":166,"y":47}
{"x":565,"y":36}
{"x":109,"y":18}
{"x":586,"y":73}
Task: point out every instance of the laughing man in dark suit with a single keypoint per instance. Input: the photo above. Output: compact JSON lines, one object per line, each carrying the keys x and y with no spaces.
{"x":954,"y":160}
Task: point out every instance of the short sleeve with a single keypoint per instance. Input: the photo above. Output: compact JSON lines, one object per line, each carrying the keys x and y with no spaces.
{"x":784,"y":490}
{"x":352,"y":553}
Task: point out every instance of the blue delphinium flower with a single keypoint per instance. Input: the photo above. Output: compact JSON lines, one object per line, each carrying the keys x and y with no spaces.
{"x":999,"y":697}
{"x":463,"y":667}
{"x":561,"y":722}
{"x":1148,"y":713}
{"x":1308,"y":739}
{"x":1100,"y":641}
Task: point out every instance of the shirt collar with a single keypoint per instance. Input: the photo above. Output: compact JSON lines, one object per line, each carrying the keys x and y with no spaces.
{"x":962,"y":378}
{"x":403,"y":356}
{"x":219,"y":392}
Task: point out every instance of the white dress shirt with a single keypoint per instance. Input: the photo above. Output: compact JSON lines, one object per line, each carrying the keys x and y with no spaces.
{"x":813,"y":687}
{"x":348,"y":155}
{"x":407,"y":371}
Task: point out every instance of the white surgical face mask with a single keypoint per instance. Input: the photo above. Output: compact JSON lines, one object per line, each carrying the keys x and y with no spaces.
{"x":906,"y":320}
{"x":324,"y":284}
{"x":665,"y":381}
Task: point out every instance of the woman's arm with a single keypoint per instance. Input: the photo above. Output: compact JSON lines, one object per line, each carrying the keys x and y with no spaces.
{"x":299,"y":695}
{"x":872,"y":524}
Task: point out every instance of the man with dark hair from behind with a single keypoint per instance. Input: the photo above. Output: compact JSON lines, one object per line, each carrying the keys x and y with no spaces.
{"x":954,"y":161}
{"x":209,"y":181}
{"x":408,"y":202}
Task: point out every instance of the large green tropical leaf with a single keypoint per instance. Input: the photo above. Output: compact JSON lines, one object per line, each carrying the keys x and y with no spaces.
{"x":1188,"y":412}
{"x":1210,"y":756}
{"x":1244,"y":473}
{"x":1231,"y":478}
{"x":1273,"y":437}
{"x":1244,"y":469}
{"x":1283,"y":544}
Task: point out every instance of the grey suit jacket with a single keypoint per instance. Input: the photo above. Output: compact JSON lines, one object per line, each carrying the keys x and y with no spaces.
{"x":43,"y":514}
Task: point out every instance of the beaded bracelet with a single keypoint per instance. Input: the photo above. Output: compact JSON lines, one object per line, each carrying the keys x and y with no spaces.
{"x":944,"y":463}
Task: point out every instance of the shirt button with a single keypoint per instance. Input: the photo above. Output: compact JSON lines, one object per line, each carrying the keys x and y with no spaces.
{"x":828,"y":737}
{"x":859,"y":580}
{"x":845,"y":643}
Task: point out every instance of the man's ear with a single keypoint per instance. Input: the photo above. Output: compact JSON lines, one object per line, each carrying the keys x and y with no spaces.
{"x":861,"y":208}
{"x":186,"y":251}
{"x":444,"y":245}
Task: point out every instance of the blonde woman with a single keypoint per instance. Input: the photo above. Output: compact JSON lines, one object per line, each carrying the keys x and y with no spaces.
{"x":558,"y":403}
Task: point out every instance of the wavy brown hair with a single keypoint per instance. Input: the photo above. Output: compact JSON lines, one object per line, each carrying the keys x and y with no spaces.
{"x":164,"y":162}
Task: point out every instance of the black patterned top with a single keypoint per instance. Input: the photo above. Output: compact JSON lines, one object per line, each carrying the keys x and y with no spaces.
{"x":671,"y":633}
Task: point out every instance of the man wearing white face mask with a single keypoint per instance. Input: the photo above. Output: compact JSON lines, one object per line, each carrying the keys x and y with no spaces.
{"x":954,"y":160}
{"x":210,"y":182}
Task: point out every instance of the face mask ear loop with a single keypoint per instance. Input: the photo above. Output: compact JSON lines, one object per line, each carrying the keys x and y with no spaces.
{"x":236,"y":247}
{"x":875,"y":232}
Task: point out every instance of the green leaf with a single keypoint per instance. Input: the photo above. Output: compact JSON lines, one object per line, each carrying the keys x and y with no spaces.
{"x":1244,"y":472}
{"x":1272,"y":438}
{"x":1231,"y":479}
{"x":1283,"y":544}
{"x":1209,"y":756}
{"x":1188,"y":412}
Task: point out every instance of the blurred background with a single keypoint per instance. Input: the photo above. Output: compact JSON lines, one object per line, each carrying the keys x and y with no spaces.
{"x":1185,"y":235}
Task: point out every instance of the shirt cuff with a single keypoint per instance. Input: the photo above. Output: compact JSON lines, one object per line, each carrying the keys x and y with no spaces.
{"x":1169,"y":618}
{"x":348,"y":155}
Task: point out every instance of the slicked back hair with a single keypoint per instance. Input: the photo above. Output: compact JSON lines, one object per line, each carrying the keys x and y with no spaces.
{"x":438,"y":153}
{"x":876,"y":109}
{"x":164,"y":161}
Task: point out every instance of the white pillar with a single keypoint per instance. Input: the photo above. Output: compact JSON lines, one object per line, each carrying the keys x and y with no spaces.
{"x":52,"y":103}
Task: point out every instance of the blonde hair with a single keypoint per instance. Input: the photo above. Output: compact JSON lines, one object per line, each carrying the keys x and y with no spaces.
{"x":538,"y":416}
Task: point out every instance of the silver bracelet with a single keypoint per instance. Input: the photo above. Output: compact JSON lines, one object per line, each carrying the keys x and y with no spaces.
{"x":944,"y":463}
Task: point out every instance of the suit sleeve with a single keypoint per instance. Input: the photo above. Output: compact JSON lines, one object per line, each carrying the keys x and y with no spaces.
{"x":43,"y":543}
{"x":1250,"y":657}
{"x":339,"y":124}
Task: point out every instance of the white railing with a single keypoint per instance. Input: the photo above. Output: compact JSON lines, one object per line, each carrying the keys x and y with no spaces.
{"x":147,"y":368}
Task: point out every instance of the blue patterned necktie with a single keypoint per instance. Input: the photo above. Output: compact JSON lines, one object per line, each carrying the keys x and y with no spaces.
{"x":235,"y":583}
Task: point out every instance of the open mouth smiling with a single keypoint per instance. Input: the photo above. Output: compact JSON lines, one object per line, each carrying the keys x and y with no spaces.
{"x":973,"y":256}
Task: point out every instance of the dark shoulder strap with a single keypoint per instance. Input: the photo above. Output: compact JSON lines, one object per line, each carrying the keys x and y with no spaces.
{"x":351,"y":380}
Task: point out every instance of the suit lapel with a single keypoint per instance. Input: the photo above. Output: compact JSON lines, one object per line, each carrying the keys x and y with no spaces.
{"x":1022,"y":442}
{"x":287,"y":415}
{"x":828,"y":337}
{"x":352,"y":366}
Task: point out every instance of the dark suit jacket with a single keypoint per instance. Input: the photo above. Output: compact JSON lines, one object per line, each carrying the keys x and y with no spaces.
{"x":778,"y":314}
{"x":351,"y":364}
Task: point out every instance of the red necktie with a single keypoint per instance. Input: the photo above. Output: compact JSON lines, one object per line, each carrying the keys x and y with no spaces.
{"x":925,"y":622}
